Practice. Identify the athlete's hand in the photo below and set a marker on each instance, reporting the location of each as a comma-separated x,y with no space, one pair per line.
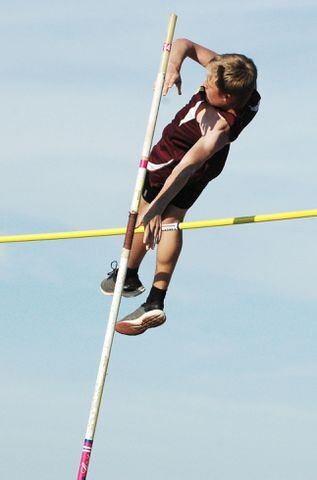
152,230
173,77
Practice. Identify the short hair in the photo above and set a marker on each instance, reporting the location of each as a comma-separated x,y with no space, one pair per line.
235,74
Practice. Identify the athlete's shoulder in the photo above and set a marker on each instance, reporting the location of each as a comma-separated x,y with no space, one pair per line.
211,118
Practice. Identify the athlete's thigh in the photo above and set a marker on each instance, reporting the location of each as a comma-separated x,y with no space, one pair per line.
173,214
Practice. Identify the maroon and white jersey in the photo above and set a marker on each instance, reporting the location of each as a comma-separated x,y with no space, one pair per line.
184,131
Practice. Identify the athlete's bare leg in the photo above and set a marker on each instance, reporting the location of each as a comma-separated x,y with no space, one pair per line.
138,249
151,314
169,248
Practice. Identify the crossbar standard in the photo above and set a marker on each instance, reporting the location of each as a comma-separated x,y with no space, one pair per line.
221,222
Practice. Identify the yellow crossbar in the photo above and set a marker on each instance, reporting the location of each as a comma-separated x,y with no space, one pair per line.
181,226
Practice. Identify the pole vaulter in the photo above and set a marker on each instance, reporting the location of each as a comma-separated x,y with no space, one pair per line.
114,310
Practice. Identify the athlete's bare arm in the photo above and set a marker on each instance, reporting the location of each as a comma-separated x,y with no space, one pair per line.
215,136
181,49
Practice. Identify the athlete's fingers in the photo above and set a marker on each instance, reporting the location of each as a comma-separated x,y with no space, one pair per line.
178,85
148,237
157,230
152,241
159,234
166,88
155,236
152,230
171,79
156,227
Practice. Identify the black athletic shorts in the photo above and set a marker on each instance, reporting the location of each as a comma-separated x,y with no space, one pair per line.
189,194
184,199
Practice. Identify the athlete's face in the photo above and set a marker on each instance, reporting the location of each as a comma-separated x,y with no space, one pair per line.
214,96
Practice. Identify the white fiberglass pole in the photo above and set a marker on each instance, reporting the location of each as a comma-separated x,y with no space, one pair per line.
123,264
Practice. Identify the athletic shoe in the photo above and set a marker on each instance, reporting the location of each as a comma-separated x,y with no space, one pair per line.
147,316
132,286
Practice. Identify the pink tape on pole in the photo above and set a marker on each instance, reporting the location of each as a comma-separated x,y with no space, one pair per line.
84,461
143,163
167,47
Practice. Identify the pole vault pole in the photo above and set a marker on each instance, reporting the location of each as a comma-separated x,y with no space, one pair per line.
123,264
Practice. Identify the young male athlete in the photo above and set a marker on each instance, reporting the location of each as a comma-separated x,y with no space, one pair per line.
192,152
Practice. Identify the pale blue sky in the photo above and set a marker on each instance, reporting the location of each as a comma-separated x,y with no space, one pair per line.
228,386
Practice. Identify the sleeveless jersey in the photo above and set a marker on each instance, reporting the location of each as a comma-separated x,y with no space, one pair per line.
184,131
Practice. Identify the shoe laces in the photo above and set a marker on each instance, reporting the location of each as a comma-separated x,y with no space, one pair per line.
114,266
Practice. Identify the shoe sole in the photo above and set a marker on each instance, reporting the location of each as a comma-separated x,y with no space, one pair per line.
135,293
151,319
